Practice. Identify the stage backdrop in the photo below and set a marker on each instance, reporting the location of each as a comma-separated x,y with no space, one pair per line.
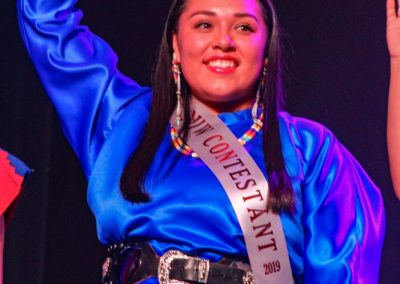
338,75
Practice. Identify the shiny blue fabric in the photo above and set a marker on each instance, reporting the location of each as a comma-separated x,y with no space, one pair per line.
336,234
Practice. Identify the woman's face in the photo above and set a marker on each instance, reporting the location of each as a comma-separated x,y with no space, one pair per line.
220,45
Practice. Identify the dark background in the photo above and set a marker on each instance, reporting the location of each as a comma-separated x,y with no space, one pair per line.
339,73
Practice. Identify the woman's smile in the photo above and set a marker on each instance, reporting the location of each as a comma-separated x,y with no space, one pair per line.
222,64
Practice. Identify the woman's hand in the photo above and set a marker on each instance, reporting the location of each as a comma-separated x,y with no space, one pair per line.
393,29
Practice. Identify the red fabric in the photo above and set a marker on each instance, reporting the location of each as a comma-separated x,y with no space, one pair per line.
10,183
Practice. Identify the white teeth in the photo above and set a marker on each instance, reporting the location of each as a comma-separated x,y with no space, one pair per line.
222,64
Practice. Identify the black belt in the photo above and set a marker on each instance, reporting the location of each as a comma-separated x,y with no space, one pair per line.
132,263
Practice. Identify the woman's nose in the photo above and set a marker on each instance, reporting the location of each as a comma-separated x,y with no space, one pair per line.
224,42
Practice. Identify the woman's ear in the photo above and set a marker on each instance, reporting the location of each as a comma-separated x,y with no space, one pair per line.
175,46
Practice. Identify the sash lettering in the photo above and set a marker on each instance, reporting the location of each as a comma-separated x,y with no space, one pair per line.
247,190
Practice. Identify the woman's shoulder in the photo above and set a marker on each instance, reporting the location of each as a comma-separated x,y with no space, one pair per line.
307,139
133,115
300,126
139,106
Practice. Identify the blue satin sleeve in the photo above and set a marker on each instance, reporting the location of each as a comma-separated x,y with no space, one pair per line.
342,209
79,72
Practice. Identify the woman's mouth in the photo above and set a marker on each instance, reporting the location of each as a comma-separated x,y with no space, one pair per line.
222,65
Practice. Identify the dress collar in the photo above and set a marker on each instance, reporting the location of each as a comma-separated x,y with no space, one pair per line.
231,118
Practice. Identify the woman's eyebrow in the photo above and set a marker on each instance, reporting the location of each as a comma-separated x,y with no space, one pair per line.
247,15
214,14
203,12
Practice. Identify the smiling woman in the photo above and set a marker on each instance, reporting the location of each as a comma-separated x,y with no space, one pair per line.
203,178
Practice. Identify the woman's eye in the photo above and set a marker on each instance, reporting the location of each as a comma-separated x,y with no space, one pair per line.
203,26
245,28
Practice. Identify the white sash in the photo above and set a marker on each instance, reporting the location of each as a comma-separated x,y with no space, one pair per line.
247,190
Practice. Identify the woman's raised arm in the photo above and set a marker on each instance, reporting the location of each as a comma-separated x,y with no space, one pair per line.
79,72
393,130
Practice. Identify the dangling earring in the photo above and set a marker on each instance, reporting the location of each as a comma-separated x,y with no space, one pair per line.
261,86
176,71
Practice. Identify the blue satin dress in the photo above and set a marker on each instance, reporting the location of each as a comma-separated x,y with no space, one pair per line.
336,234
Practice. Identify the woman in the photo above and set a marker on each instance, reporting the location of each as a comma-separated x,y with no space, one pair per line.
219,69
12,175
393,135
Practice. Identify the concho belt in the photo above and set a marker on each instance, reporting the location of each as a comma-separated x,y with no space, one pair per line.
134,263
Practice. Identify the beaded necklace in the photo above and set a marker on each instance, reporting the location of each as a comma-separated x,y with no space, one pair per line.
246,137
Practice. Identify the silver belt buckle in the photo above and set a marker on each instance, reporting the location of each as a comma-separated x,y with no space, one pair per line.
248,278
165,266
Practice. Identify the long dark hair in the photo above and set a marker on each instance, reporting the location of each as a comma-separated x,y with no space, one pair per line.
281,196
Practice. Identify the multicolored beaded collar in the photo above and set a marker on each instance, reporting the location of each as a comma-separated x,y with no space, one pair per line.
246,137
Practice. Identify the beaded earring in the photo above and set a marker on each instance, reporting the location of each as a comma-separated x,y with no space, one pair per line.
176,71
261,86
